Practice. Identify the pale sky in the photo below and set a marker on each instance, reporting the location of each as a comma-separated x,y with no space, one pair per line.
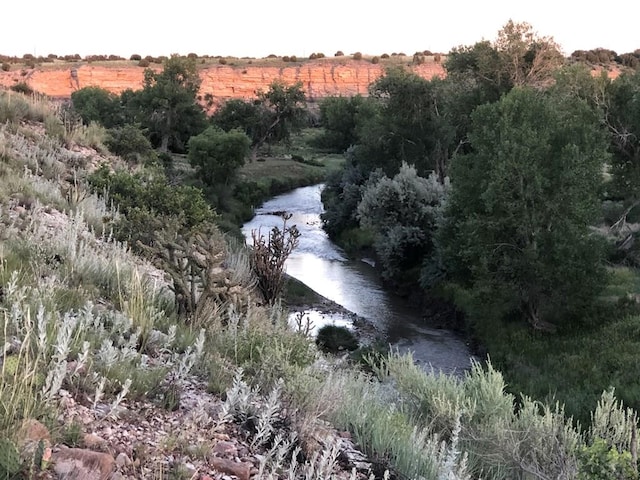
255,28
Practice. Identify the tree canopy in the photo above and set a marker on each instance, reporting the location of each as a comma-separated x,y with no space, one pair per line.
167,105
217,155
269,119
517,228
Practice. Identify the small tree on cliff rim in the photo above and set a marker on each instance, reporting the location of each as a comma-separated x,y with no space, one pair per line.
517,229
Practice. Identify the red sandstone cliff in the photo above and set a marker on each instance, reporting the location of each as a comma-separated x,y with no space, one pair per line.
319,78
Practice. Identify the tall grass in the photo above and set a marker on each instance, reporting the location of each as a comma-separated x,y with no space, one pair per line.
16,108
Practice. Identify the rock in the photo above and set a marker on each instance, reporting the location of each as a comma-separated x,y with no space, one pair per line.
320,78
122,460
239,469
81,464
226,449
29,437
156,341
94,442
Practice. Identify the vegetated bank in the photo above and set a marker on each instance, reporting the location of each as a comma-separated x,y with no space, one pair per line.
484,192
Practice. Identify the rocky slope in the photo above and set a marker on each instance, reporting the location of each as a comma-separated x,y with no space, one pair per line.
320,78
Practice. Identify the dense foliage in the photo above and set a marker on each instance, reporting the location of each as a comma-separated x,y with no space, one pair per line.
217,155
269,119
517,228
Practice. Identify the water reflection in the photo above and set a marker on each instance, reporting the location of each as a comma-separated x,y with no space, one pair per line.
322,266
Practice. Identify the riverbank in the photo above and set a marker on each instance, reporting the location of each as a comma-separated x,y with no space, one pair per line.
299,298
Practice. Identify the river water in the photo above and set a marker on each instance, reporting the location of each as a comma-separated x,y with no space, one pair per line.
322,266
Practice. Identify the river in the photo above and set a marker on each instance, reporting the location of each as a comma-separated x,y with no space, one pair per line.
322,266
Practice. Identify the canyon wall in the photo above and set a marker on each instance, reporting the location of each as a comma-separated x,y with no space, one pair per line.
320,78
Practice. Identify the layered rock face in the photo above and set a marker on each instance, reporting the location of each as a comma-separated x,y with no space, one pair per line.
319,78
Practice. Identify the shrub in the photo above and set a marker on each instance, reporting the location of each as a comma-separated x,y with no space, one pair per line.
313,56
293,58
222,61
336,339
6,67
22,87
384,56
600,460
437,57
217,155
286,58
144,63
268,257
135,57
339,53
357,56
129,143
192,55
375,60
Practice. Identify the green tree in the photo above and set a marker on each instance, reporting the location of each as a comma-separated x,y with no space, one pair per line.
269,119
95,104
167,106
527,58
411,126
130,143
517,228
282,112
148,203
403,213
217,155
518,57
339,116
237,113
622,110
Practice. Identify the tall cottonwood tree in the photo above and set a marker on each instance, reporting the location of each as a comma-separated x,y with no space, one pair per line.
526,57
167,106
517,229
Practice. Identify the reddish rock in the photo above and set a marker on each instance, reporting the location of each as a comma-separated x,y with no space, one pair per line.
29,437
80,464
94,442
320,78
227,449
241,470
